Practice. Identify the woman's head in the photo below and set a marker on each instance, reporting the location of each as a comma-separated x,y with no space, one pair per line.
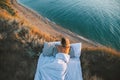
65,42
65,46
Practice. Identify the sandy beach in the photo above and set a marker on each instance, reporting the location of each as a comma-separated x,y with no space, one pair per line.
49,27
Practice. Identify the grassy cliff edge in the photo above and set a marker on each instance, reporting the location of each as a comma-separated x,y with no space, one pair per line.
21,42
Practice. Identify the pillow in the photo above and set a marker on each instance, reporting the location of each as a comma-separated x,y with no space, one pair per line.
50,49
75,50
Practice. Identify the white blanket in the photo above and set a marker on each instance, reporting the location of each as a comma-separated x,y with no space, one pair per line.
60,67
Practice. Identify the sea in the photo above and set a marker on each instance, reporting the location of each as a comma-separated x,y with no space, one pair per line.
96,20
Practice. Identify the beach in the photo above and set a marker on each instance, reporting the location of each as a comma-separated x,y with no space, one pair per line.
45,25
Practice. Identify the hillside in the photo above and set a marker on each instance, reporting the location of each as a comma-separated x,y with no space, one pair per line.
21,42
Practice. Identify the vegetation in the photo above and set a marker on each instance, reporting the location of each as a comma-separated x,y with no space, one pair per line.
19,47
4,4
21,43
100,64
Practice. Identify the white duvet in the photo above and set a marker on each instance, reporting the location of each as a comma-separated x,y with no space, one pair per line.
60,67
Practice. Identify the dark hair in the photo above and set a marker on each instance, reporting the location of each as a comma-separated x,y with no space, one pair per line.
63,42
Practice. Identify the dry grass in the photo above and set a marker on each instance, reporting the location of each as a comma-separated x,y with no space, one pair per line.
29,36
4,4
101,62
102,50
19,47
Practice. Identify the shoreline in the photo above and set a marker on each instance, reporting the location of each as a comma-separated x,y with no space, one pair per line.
49,26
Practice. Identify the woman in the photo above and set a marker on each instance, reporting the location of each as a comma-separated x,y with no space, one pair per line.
56,70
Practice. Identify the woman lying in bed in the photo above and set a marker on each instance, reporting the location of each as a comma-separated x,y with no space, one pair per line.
56,70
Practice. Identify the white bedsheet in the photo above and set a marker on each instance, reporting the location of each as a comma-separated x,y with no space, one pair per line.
72,69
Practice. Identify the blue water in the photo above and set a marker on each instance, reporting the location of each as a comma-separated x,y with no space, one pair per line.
97,20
